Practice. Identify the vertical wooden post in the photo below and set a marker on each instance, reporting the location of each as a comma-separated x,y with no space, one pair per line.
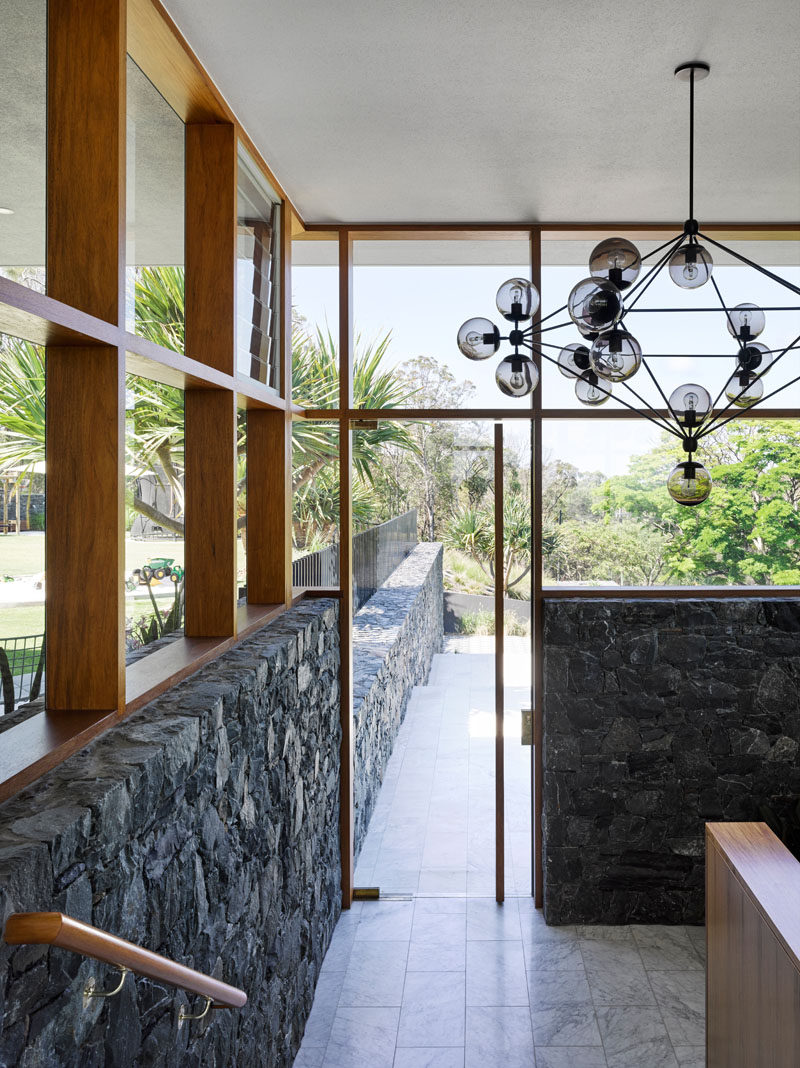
346,563
269,464
210,415
537,650
499,674
86,105
84,547
269,507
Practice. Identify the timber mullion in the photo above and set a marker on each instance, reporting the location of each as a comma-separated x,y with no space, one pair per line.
210,414
85,383
85,620
346,565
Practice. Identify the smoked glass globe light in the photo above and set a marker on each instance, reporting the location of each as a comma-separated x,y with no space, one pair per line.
573,360
689,483
744,389
690,403
616,355
755,358
589,391
690,266
517,376
745,321
587,333
617,260
478,339
517,299
595,304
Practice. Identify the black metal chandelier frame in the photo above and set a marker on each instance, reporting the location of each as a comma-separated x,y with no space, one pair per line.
688,425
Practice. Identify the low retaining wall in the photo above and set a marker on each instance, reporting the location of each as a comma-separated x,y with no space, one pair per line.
206,828
395,636
659,716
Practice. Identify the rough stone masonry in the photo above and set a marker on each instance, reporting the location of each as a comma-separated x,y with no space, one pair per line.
658,716
206,828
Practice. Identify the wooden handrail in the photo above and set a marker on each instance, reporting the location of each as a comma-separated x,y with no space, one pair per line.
56,929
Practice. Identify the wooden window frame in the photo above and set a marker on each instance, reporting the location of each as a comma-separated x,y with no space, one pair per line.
81,321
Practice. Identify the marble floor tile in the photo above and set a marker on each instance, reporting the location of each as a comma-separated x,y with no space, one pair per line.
620,986
691,1056
443,881
429,1057
603,932
635,1038
496,974
499,1037
568,1025
428,905
439,926
698,938
564,956
666,949
488,921
551,990
432,1013
681,998
437,957
362,1038
323,1012
385,921
375,975
570,1057
309,1057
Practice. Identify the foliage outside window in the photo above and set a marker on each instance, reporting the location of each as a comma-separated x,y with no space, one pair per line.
625,530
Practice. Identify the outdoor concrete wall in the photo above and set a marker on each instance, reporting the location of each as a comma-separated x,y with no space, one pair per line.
659,716
205,827
395,636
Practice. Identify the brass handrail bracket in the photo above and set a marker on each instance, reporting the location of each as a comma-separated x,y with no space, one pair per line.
90,991
184,1015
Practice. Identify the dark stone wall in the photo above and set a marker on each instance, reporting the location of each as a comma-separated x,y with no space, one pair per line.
395,636
658,717
204,827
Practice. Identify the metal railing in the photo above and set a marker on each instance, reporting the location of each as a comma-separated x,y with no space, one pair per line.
377,551
21,670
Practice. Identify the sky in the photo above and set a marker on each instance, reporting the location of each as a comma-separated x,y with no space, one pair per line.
424,306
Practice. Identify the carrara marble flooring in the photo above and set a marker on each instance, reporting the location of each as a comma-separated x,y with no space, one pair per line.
443,977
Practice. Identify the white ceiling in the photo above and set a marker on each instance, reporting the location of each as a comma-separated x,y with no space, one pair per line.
511,111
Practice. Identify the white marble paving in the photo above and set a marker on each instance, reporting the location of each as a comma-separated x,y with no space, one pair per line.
446,978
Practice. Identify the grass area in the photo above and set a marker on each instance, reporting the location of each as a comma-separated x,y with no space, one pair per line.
21,620
463,575
483,623
21,554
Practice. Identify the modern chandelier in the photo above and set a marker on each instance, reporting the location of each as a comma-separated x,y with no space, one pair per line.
609,355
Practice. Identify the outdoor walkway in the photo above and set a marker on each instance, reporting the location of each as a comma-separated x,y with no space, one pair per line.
443,977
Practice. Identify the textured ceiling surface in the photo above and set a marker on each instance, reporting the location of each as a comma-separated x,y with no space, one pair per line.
499,110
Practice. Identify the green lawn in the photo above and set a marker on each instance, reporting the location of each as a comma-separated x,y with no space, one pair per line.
21,554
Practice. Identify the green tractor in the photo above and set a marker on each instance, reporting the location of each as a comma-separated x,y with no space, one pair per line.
156,569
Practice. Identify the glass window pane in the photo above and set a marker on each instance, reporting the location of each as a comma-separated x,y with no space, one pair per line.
23,136
315,321
22,521
257,276
315,509
694,346
155,215
608,518
154,513
410,299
